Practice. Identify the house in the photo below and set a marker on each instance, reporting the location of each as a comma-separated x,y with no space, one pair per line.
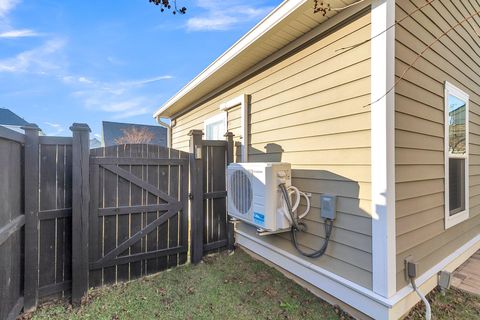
95,143
11,120
376,103
121,133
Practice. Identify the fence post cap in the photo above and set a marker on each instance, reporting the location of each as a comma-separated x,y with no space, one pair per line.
229,134
31,126
80,127
195,132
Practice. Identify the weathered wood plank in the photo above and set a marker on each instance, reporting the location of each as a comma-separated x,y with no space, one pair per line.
215,194
123,221
95,243
173,222
138,257
11,228
31,217
151,208
184,214
162,230
133,209
80,210
52,140
135,161
55,213
17,308
109,235
136,219
11,135
139,182
54,288
133,239
197,191
215,245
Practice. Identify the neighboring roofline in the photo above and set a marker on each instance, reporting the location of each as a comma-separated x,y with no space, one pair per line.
271,20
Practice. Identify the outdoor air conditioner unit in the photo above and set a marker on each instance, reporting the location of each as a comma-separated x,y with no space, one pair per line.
254,195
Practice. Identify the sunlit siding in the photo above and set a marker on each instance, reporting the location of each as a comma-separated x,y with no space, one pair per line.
311,109
420,224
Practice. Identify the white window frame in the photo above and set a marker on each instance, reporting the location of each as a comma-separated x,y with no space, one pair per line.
242,101
450,221
216,118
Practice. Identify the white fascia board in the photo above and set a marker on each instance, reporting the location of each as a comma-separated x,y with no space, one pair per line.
383,147
242,101
276,16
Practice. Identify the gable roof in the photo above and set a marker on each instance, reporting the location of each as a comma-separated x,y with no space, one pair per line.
7,117
286,23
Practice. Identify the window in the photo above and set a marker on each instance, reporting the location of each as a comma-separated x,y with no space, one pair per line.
216,127
456,155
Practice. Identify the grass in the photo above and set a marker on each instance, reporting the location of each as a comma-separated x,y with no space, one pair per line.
228,287
223,287
453,304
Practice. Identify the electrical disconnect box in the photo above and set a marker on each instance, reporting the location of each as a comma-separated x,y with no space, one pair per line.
328,206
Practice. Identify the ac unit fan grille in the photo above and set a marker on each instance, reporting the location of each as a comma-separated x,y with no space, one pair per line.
241,192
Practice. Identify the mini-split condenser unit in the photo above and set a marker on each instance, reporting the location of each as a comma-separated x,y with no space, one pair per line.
254,195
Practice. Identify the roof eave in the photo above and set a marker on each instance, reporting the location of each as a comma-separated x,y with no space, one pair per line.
272,19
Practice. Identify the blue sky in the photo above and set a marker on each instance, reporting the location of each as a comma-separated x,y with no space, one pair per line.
87,61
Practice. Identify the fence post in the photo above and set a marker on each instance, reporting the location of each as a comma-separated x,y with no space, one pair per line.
230,225
196,195
31,180
238,151
80,210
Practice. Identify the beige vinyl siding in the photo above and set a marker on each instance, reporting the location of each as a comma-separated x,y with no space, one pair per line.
420,224
311,109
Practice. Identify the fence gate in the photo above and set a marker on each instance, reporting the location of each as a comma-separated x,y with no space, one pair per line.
138,221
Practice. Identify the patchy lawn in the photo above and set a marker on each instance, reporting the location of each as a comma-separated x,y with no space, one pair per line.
454,304
229,287
224,287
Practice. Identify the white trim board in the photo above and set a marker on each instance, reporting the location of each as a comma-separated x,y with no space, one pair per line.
363,299
451,220
241,101
383,147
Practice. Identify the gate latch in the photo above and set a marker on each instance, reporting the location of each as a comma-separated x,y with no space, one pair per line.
190,196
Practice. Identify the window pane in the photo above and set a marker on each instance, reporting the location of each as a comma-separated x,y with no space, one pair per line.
215,131
456,122
457,185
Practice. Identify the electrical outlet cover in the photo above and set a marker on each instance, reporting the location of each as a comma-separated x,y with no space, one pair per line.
328,205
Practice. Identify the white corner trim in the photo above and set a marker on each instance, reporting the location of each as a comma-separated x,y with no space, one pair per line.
450,221
271,20
362,299
383,147
241,101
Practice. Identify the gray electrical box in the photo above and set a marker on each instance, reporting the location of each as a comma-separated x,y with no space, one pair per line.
328,205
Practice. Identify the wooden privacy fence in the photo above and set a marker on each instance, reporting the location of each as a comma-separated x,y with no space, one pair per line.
131,207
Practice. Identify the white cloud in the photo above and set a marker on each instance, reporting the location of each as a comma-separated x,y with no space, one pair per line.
19,33
6,29
6,6
121,99
40,60
57,128
224,15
